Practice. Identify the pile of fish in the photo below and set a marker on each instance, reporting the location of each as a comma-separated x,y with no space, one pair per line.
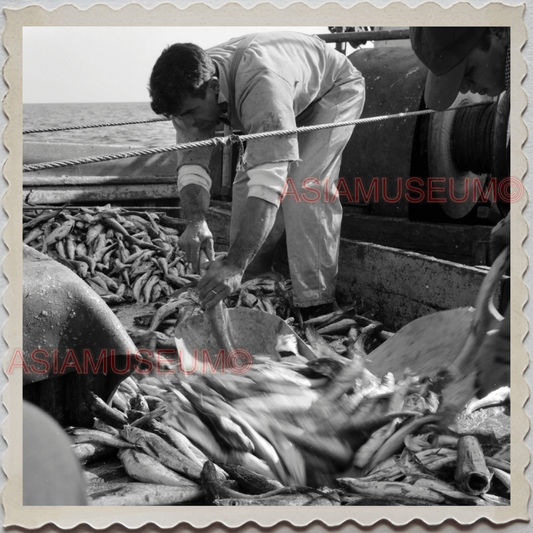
125,256
134,257
284,433
290,431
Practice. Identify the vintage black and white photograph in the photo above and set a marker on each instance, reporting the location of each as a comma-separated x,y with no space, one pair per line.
270,265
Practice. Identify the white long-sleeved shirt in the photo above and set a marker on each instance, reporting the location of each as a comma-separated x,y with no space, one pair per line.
279,76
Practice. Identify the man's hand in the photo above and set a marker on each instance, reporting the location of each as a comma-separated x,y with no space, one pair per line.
221,280
196,237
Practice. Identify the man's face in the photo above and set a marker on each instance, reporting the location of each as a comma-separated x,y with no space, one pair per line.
485,69
200,113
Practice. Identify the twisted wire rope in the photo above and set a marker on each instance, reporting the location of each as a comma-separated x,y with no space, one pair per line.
230,139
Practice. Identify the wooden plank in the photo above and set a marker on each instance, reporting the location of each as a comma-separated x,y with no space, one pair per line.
398,286
55,195
455,242
29,180
163,164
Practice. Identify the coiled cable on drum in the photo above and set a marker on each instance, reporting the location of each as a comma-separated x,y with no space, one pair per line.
471,139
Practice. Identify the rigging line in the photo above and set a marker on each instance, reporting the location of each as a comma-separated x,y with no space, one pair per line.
101,125
224,141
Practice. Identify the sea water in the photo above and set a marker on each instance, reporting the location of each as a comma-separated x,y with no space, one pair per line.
74,114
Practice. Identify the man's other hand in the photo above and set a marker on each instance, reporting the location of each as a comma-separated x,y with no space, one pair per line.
196,237
220,280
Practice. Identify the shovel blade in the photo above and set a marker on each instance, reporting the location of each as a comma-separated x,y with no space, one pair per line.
254,331
425,346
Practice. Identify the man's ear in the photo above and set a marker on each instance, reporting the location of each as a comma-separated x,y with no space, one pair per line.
214,84
503,34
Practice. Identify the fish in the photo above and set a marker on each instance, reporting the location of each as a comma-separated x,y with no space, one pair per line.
319,346
251,482
59,233
214,487
142,467
112,299
98,285
341,326
285,497
494,398
395,441
449,491
262,447
390,489
344,380
93,232
35,233
163,265
81,435
277,403
249,460
88,451
178,440
60,249
358,500
162,451
431,460
103,254
138,402
495,500
336,450
326,366
226,430
502,464
153,402
90,261
118,228
164,311
110,283
81,249
40,219
102,426
138,286
106,413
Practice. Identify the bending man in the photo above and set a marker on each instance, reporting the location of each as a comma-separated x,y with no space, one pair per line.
259,83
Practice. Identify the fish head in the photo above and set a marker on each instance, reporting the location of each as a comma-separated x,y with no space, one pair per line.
131,434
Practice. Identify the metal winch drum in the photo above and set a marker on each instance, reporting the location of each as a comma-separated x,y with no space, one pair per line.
460,146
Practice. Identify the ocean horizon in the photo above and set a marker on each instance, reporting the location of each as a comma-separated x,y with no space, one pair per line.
38,115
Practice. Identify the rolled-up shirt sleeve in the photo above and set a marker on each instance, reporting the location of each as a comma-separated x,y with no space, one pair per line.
193,175
267,181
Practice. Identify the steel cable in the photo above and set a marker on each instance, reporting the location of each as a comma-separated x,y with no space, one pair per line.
101,125
225,141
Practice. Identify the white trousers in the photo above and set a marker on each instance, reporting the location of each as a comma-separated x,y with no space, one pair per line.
310,213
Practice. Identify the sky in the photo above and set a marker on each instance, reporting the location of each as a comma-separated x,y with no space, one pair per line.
107,64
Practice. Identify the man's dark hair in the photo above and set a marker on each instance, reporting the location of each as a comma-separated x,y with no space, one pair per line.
182,70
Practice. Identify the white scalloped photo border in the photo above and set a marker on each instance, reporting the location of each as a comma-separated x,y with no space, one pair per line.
299,14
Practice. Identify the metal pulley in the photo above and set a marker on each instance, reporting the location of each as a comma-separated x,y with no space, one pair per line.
466,148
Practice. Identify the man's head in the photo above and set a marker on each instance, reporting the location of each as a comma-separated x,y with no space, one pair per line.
461,59
184,73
